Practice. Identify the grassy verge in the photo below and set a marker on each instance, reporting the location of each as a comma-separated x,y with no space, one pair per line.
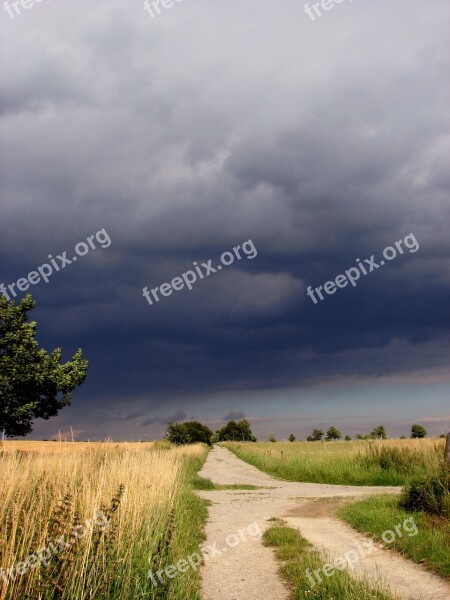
201,483
297,555
430,546
190,516
384,462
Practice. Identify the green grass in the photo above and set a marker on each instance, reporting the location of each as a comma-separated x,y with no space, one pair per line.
430,495
297,555
390,462
201,483
190,514
430,546
239,486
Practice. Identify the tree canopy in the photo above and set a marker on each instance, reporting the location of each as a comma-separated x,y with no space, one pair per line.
235,432
33,383
190,432
379,433
418,431
333,434
316,436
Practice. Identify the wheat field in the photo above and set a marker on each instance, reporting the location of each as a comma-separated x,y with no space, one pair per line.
133,497
68,446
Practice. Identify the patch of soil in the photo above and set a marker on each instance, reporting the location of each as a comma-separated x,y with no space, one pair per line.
317,508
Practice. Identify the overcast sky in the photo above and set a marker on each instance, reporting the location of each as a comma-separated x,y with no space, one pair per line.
214,123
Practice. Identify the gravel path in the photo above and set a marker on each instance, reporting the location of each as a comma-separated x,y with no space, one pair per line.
239,567
405,578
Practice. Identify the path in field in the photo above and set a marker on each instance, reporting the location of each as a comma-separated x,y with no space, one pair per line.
248,571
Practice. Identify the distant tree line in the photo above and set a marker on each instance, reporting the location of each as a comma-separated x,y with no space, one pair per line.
378,433
191,432
332,433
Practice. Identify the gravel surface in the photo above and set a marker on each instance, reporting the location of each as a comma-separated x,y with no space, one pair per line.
239,567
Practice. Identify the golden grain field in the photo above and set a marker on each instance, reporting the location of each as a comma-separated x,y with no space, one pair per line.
128,493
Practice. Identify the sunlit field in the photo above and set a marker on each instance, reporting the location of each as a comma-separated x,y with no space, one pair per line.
68,446
380,462
141,512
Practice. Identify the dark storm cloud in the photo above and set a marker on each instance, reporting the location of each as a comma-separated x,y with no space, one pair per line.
128,417
318,141
177,416
234,416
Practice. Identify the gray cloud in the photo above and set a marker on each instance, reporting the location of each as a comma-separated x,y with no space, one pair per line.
128,417
234,416
318,141
179,415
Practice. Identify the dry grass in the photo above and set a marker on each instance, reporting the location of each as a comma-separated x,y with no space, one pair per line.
46,492
66,446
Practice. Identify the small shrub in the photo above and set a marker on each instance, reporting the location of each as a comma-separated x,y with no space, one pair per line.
431,495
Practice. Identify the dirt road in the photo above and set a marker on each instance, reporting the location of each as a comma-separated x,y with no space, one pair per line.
239,567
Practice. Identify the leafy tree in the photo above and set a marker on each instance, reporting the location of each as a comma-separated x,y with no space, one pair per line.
333,434
348,438
292,438
235,432
417,431
360,436
176,434
33,383
190,432
379,433
316,436
244,428
196,432
272,438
